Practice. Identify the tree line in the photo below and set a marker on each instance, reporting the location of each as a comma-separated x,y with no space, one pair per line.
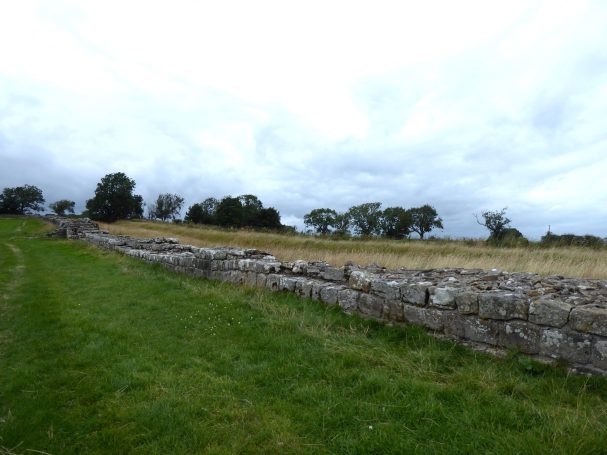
369,219
114,199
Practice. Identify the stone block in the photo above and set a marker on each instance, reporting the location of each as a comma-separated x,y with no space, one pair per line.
273,282
467,302
482,331
317,287
288,283
416,294
599,354
425,317
303,288
454,324
333,274
386,289
261,279
566,344
520,334
371,305
589,319
443,298
497,305
393,311
328,294
360,281
347,299
549,312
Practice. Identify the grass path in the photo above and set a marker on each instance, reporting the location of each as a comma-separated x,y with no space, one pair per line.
103,354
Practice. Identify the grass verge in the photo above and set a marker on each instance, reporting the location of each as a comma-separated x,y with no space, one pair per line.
100,353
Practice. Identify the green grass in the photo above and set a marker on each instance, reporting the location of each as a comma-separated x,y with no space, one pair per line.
100,353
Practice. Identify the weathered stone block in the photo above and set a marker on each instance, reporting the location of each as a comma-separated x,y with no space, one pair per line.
482,331
426,317
496,305
303,288
393,311
288,283
453,324
521,335
250,278
549,312
416,294
360,281
316,288
443,298
467,302
386,289
328,294
599,354
589,319
273,282
333,274
347,299
371,305
566,344
260,280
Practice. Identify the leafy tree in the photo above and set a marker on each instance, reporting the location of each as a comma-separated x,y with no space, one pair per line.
62,206
322,220
203,212
21,200
342,223
495,221
114,199
395,222
229,212
251,206
268,218
365,218
424,219
167,206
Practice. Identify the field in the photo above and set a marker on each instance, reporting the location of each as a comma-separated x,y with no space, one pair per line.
413,254
100,353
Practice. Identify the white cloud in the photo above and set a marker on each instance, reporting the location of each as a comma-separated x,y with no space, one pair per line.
464,105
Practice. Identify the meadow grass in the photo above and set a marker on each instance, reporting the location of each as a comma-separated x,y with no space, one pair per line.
412,254
100,353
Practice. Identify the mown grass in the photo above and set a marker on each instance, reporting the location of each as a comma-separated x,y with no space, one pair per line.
100,353
412,254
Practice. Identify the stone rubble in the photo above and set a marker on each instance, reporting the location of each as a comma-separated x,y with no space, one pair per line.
551,317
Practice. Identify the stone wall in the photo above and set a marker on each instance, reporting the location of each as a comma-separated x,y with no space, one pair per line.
548,317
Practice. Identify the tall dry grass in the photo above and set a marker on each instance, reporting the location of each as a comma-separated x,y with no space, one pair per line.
410,254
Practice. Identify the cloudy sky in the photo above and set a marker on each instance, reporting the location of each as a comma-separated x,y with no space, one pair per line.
467,106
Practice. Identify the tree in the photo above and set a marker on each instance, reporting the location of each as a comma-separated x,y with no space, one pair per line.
342,223
365,218
203,212
395,222
229,212
268,218
167,206
114,199
21,200
251,206
322,220
495,221
424,219
62,206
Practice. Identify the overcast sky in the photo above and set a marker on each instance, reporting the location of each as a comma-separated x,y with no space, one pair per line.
466,106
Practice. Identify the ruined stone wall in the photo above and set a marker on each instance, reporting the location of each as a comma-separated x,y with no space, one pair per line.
549,317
